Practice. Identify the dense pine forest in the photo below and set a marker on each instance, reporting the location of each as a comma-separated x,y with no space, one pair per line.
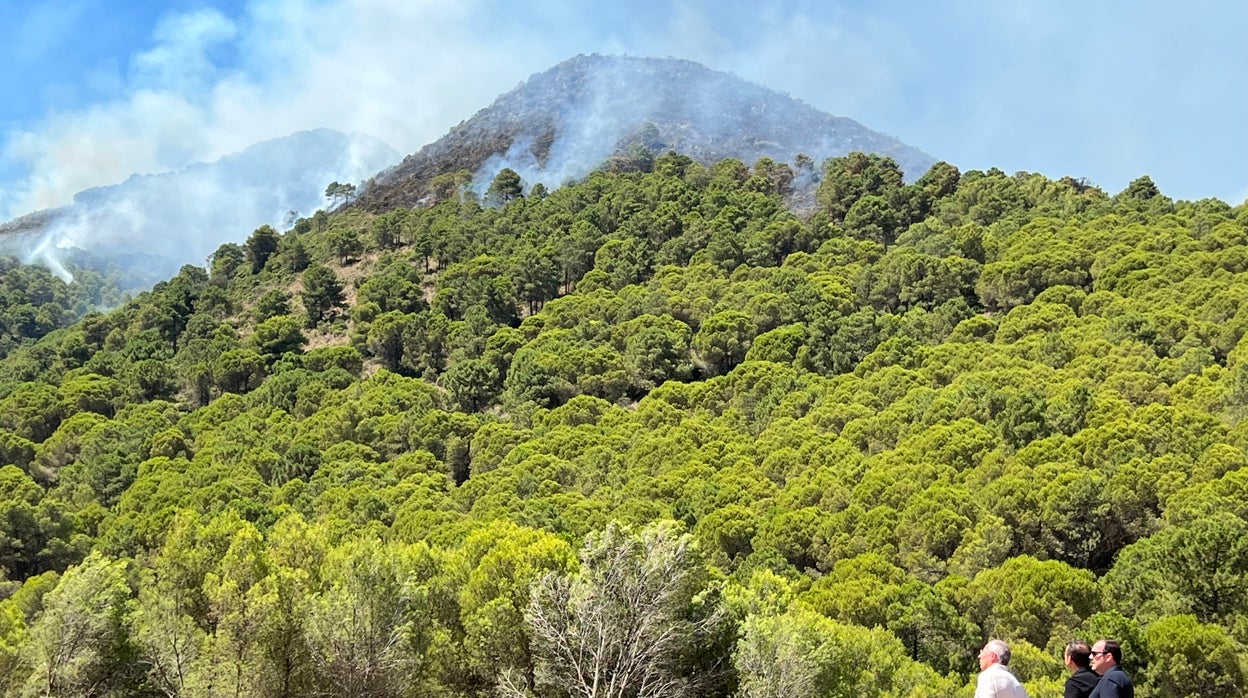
667,431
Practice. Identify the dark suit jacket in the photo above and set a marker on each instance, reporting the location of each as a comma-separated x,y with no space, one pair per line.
1081,683
1114,684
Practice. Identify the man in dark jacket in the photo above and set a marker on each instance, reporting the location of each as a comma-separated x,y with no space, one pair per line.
1082,679
1114,683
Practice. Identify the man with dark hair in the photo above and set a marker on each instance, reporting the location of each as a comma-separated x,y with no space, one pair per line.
1082,679
995,681
1106,660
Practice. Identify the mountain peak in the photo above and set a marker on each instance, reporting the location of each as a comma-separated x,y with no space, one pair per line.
564,122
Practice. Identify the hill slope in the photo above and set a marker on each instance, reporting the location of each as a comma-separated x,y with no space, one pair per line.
568,120
974,405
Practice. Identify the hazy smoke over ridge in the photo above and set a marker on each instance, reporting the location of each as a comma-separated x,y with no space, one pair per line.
606,104
585,134
182,217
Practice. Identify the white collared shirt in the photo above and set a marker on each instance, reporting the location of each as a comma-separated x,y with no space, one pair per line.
997,682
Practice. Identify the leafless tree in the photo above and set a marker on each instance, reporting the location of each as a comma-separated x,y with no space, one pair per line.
625,625
357,630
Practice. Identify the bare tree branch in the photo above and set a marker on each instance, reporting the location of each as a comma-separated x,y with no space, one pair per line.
622,627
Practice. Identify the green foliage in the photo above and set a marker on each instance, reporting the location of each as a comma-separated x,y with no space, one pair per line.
723,340
849,179
976,405
35,302
505,188
398,288
472,383
274,302
293,254
387,229
504,562
345,245
1199,568
225,263
804,653
322,293
14,638
362,628
36,531
1032,600
238,370
340,192
656,349
78,642
261,245
1193,659
278,335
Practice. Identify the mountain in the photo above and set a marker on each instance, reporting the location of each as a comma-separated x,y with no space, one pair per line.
176,218
564,122
556,126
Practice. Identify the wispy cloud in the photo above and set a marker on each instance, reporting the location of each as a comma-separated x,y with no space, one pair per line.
181,59
209,85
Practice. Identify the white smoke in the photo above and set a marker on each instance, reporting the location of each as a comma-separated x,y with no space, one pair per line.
585,137
610,104
46,252
1240,199
181,218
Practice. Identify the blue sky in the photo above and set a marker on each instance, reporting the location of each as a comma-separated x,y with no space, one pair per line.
1112,90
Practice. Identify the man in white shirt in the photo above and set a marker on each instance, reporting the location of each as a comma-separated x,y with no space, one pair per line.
995,681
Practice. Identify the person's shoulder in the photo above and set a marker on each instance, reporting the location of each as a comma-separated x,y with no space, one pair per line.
1015,687
1084,677
992,672
1009,678
1083,682
997,675
1001,670
1118,677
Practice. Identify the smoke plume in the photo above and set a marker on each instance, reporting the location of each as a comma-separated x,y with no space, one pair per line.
182,217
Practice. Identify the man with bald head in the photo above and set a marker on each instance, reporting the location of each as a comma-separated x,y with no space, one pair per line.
1114,683
995,680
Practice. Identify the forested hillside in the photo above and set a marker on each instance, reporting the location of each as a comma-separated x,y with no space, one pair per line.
647,434
34,301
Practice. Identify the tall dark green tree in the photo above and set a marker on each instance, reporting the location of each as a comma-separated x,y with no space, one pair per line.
261,245
322,293
506,187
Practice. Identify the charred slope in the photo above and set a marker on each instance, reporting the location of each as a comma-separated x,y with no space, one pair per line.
568,120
